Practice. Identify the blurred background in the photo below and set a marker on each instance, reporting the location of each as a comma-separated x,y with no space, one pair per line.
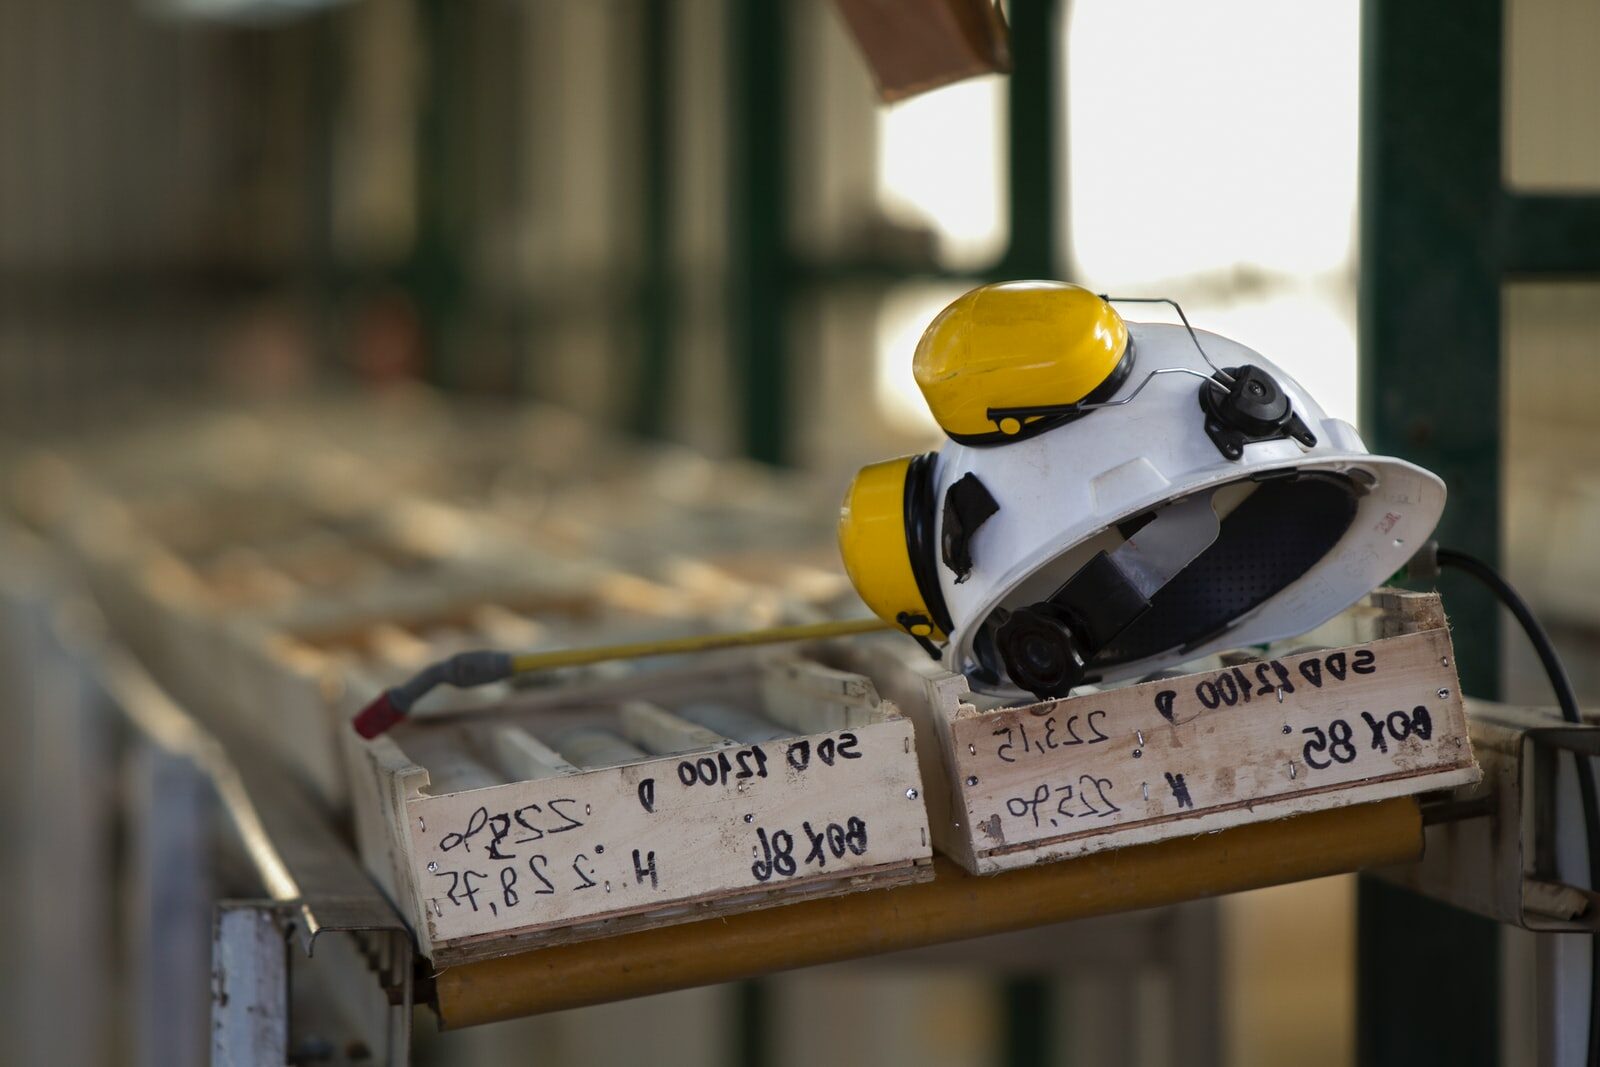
691,226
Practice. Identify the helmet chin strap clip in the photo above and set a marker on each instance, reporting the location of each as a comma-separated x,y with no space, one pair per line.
1047,647
919,627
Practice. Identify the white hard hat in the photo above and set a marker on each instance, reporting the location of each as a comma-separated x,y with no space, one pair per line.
1207,503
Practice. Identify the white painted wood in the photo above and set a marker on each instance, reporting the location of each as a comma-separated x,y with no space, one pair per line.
809,697
54,784
249,988
452,770
1155,760
524,757
169,908
591,747
932,698
636,839
1235,760
661,733
742,726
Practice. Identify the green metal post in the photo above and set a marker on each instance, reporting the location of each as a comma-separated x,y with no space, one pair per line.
434,275
1033,131
1032,128
653,394
1427,988
758,254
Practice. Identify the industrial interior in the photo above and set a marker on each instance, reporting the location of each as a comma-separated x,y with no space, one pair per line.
433,634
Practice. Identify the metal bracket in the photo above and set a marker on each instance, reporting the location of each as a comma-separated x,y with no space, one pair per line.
1493,848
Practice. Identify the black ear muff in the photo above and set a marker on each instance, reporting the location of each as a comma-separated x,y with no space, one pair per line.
920,498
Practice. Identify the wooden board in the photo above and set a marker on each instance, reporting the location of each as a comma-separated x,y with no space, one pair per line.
616,840
1205,751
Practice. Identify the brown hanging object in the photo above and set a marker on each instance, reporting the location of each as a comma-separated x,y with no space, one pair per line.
912,46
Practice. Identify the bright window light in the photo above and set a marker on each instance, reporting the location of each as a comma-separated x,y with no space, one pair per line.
1308,332
902,316
1211,137
941,165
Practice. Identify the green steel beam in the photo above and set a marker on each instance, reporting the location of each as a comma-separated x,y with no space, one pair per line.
1430,275
1028,1037
323,104
1033,130
758,253
656,318
1550,235
1429,298
434,275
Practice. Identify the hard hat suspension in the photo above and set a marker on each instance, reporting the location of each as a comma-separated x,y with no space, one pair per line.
1047,647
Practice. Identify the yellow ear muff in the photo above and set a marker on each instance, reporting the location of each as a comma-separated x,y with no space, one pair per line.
1018,345
885,540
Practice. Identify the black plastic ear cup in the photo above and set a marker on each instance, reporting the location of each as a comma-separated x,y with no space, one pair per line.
1042,651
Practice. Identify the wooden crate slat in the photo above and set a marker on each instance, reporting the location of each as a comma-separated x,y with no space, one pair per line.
1209,748
1024,784
620,840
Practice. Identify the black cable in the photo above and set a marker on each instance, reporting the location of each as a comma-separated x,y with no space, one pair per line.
1448,557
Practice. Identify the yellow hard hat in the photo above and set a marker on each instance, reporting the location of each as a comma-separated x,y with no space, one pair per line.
1003,349
886,540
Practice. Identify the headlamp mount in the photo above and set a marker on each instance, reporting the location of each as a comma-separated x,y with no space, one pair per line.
1250,406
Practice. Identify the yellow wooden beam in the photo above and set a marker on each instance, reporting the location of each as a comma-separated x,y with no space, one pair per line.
953,906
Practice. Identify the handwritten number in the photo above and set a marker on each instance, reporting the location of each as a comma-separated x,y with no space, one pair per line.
533,865
499,827
1100,787
468,889
1005,746
475,823
455,881
1020,806
1318,743
534,830
1340,747
1284,680
1421,722
1243,683
572,824
1265,684
1064,792
508,886
1227,689
761,869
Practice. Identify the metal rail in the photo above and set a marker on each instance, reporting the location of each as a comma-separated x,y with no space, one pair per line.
952,907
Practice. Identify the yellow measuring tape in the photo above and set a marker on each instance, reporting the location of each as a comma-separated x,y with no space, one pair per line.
524,662
480,668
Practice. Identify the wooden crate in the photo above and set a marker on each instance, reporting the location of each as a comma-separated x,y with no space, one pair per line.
1379,715
297,677
493,836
